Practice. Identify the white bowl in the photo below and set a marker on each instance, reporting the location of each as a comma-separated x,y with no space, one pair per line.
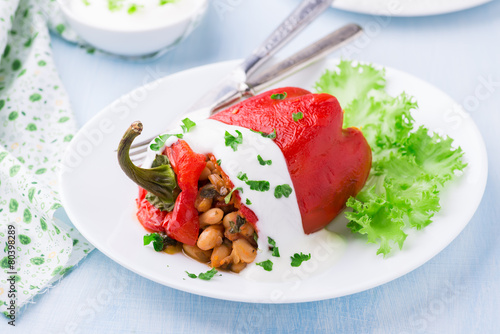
135,41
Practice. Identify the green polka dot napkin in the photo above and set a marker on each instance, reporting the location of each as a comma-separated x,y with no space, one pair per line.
36,124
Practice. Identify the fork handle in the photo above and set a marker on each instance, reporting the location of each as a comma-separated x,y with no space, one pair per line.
300,18
292,64
303,58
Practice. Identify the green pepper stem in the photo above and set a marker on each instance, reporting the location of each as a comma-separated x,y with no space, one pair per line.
159,180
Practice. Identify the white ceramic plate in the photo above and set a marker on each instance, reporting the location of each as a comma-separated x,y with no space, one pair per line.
99,198
406,7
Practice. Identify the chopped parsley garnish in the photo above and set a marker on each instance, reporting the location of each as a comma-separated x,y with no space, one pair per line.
282,190
254,185
191,275
204,276
227,199
279,96
219,162
133,8
161,140
276,252
187,125
248,202
159,241
264,162
297,115
114,5
267,265
233,141
271,242
255,236
272,247
164,2
271,135
259,185
208,275
297,259
156,239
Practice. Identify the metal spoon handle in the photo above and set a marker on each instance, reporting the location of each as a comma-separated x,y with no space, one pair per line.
231,85
304,58
300,18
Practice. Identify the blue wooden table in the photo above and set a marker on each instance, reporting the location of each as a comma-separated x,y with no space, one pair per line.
456,292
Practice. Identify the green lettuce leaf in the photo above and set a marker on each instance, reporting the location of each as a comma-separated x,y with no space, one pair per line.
410,166
349,81
384,123
434,154
379,220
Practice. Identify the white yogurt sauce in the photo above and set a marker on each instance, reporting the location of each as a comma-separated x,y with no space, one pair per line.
148,13
278,218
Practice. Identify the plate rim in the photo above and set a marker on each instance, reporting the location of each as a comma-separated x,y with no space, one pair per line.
351,9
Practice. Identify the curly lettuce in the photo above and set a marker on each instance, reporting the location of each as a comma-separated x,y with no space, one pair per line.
410,166
350,82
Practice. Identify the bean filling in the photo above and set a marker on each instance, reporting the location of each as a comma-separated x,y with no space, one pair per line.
226,239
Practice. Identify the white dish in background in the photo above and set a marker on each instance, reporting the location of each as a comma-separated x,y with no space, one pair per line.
99,198
150,29
406,7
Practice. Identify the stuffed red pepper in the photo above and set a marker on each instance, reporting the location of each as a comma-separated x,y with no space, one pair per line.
252,181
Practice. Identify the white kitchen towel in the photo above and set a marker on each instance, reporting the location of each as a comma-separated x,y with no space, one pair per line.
36,125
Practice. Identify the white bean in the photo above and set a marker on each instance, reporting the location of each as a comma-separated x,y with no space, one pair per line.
210,237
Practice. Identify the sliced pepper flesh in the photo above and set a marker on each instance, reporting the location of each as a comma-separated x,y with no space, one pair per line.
182,223
149,216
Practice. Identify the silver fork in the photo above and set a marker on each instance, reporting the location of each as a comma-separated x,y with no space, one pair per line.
244,82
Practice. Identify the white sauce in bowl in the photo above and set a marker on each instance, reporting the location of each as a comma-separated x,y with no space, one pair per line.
279,218
144,14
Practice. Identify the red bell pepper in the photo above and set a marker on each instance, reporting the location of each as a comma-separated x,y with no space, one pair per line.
182,223
149,216
327,164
